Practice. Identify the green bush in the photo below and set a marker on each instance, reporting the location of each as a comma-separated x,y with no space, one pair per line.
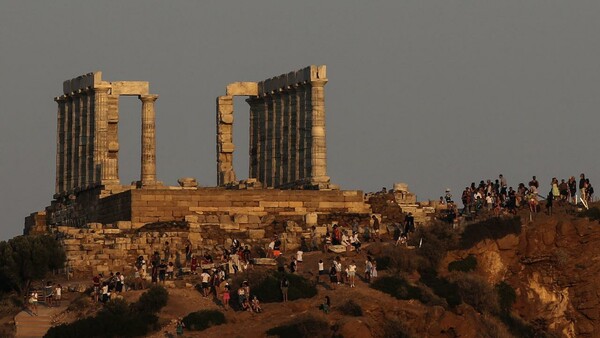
437,239
506,296
475,291
202,320
441,287
397,287
464,265
267,289
351,308
152,300
117,318
492,228
306,327
398,259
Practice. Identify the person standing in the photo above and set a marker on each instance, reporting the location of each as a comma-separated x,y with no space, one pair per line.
321,270
284,285
375,227
352,273
58,294
582,191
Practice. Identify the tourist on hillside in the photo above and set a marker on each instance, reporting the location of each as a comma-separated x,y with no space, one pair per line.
549,200
205,278
188,251
284,285
226,296
179,326
327,242
299,259
162,271
119,282
589,190
277,247
321,271
355,242
167,251
368,269
582,191
333,276
375,228
572,189
373,269
563,189
57,294
352,273
96,285
170,270
255,304
314,239
338,269
326,305
48,294
33,301
555,191
270,249
293,265
242,296
193,264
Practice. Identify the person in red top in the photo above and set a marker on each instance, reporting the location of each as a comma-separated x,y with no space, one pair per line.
194,264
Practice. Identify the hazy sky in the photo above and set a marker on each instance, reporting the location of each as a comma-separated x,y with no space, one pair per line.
432,93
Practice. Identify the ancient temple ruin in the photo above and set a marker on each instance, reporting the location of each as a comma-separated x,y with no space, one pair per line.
287,130
87,133
105,225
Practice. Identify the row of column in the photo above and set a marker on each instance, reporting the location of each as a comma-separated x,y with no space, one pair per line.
287,135
87,153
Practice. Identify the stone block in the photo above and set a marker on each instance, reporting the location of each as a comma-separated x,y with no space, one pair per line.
240,218
311,218
253,219
123,225
256,233
242,89
229,226
224,219
227,147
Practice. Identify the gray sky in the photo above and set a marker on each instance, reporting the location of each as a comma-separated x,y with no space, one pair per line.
432,93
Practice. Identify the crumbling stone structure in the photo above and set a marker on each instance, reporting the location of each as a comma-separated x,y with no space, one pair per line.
287,130
87,139
105,225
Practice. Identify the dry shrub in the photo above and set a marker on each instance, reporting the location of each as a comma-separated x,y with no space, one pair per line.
476,292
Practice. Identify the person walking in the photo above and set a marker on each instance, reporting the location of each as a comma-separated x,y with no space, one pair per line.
352,273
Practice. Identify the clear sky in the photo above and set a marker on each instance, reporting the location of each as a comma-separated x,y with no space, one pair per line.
436,94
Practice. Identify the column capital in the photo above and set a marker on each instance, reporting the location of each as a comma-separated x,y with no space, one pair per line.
148,97
102,88
318,83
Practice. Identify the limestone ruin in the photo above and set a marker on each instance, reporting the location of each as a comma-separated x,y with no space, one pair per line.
287,130
87,153
105,225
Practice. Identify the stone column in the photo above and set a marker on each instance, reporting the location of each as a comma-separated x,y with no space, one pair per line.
76,174
262,139
83,182
148,172
276,140
285,137
112,138
254,134
302,131
89,132
294,133
270,149
100,136
61,119
225,146
68,143
318,147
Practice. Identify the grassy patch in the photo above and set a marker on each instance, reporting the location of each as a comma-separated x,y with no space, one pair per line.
202,320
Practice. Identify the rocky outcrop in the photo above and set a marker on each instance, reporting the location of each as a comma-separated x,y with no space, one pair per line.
553,265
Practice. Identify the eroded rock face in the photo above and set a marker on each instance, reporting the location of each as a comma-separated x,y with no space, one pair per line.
554,267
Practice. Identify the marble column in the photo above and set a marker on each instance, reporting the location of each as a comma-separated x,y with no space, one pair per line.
302,131
262,139
76,174
68,143
60,145
148,167
318,156
100,136
294,134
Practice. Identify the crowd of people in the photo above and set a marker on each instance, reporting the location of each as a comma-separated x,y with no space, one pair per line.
51,295
498,197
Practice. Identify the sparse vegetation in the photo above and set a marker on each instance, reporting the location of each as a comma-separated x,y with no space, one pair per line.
27,258
202,320
491,228
506,296
393,328
397,287
465,265
117,318
475,291
305,327
351,308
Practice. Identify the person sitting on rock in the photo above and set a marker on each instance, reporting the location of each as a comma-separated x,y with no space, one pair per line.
256,305
326,305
